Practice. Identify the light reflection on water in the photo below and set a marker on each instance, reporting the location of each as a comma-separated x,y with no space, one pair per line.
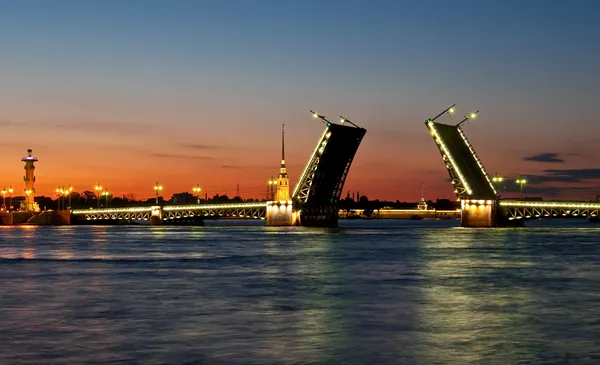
384,292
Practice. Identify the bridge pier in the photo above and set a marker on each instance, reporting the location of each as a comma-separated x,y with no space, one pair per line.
156,216
485,213
6,218
280,213
478,213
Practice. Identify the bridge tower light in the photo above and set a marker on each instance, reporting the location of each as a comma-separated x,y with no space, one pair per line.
322,117
470,116
346,120
449,109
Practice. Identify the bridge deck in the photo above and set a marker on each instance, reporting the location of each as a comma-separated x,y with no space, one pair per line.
320,186
174,212
172,208
519,209
467,172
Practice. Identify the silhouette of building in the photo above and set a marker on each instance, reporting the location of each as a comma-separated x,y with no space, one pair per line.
183,199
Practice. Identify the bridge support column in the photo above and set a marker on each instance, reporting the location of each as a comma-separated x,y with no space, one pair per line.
61,217
478,213
280,213
485,213
156,216
6,219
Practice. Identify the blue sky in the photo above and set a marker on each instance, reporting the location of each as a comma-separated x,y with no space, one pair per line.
151,78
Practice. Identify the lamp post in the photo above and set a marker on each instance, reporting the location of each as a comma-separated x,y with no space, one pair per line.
521,182
157,188
98,189
497,179
10,192
65,195
27,193
196,189
272,184
70,192
59,193
268,189
106,194
4,198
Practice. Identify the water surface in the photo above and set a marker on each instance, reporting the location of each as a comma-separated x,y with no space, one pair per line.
371,292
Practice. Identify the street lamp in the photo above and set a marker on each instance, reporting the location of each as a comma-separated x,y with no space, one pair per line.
497,179
196,189
27,193
107,195
521,182
98,189
70,191
272,184
4,198
66,194
10,191
59,193
157,188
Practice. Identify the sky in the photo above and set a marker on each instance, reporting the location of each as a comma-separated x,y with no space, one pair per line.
183,92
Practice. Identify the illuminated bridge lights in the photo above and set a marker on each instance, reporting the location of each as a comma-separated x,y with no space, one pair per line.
214,206
485,174
447,154
466,203
242,210
312,163
112,210
280,202
516,209
541,204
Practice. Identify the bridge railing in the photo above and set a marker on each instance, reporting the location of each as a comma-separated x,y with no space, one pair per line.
111,210
517,209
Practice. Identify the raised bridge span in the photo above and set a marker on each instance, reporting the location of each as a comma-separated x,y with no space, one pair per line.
481,204
314,201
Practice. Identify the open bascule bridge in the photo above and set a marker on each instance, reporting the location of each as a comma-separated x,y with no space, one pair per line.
481,204
314,201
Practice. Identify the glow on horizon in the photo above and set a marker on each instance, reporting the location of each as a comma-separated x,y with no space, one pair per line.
128,93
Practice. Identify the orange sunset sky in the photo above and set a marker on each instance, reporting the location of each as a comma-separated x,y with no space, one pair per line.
126,94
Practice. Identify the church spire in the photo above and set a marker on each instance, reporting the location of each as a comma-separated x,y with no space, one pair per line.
282,170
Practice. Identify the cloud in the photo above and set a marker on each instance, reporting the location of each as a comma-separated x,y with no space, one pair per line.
180,156
550,157
201,147
554,176
568,176
551,191
86,126
237,167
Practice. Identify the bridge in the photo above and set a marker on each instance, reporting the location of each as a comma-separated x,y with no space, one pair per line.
314,201
481,204
176,212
